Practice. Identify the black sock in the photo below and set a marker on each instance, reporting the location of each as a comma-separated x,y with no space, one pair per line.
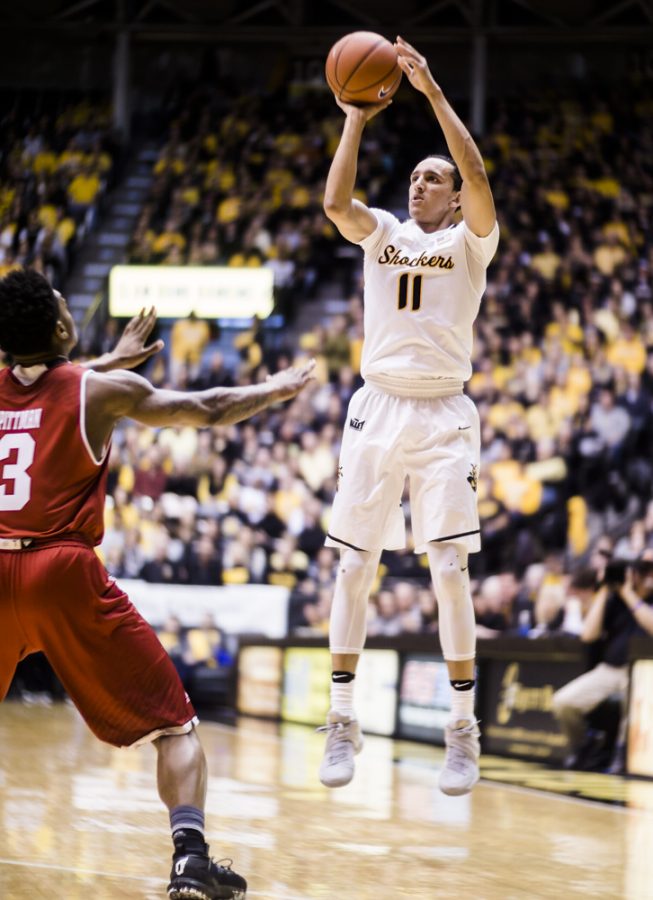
460,684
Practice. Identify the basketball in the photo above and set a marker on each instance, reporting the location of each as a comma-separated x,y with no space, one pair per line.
362,68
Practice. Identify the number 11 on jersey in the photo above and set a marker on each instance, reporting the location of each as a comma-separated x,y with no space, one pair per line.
416,292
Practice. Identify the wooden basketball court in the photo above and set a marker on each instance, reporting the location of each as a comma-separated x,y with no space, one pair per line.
80,820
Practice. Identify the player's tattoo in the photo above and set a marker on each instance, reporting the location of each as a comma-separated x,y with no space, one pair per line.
219,406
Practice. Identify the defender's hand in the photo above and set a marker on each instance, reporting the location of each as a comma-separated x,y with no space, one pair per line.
289,382
131,351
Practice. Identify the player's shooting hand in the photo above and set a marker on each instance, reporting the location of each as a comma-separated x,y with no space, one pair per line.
131,349
414,66
289,382
362,113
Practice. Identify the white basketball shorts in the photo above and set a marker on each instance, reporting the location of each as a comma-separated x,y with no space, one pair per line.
435,443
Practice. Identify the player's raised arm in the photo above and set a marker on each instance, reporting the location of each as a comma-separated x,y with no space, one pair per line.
352,218
476,200
127,395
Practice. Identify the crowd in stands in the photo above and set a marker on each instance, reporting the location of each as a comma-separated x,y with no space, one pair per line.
563,361
241,184
563,364
54,170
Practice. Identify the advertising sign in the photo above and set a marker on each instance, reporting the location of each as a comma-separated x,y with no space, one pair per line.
307,680
517,719
211,292
640,719
259,681
424,698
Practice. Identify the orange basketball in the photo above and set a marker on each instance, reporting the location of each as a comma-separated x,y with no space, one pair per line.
362,68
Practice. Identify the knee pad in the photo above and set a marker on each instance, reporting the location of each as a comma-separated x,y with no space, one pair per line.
348,624
457,629
356,571
448,565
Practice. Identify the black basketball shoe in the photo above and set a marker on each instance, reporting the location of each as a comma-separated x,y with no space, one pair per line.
196,877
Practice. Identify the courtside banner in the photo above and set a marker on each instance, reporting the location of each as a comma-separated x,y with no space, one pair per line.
424,698
211,292
260,675
517,713
307,679
640,719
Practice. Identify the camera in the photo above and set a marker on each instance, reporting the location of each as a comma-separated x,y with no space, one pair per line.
615,572
643,567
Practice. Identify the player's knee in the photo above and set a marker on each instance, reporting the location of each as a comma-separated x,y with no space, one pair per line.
449,572
357,570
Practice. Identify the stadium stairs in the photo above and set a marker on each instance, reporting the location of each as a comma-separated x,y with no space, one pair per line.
106,246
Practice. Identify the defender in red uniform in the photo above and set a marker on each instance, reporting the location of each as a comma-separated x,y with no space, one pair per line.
56,421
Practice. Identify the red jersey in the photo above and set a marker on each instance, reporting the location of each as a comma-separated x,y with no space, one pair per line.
51,485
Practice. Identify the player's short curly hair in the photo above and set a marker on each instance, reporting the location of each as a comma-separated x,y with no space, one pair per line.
29,310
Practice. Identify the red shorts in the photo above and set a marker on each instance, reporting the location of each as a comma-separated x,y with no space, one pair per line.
60,599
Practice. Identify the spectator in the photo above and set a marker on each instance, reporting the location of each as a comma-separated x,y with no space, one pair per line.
204,563
622,607
188,339
406,598
549,610
490,608
386,619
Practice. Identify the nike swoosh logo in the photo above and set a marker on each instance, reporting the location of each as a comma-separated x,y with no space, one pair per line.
339,677
384,92
463,427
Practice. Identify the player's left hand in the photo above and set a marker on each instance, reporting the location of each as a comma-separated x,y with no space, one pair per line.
414,66
131,349
362,113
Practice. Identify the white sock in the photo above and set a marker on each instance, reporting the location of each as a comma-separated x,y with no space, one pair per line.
462,705
342,698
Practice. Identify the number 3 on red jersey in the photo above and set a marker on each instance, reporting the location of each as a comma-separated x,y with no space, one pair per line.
16,496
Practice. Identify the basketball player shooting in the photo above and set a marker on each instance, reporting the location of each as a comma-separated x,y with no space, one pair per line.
56,421
424,279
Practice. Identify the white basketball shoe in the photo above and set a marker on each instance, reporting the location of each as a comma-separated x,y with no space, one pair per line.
344,741
460,772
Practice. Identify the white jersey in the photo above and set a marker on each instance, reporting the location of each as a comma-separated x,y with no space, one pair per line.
422,295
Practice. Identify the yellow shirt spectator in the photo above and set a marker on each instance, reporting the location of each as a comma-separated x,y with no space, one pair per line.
628,352
172,164
44,162
579,380
229,210
70,159
501,413
84,188
546,263
559,199
606,187
66,229
48,216
514,488
168,239
610,255
188,338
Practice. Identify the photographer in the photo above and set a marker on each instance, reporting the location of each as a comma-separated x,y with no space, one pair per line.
620,610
